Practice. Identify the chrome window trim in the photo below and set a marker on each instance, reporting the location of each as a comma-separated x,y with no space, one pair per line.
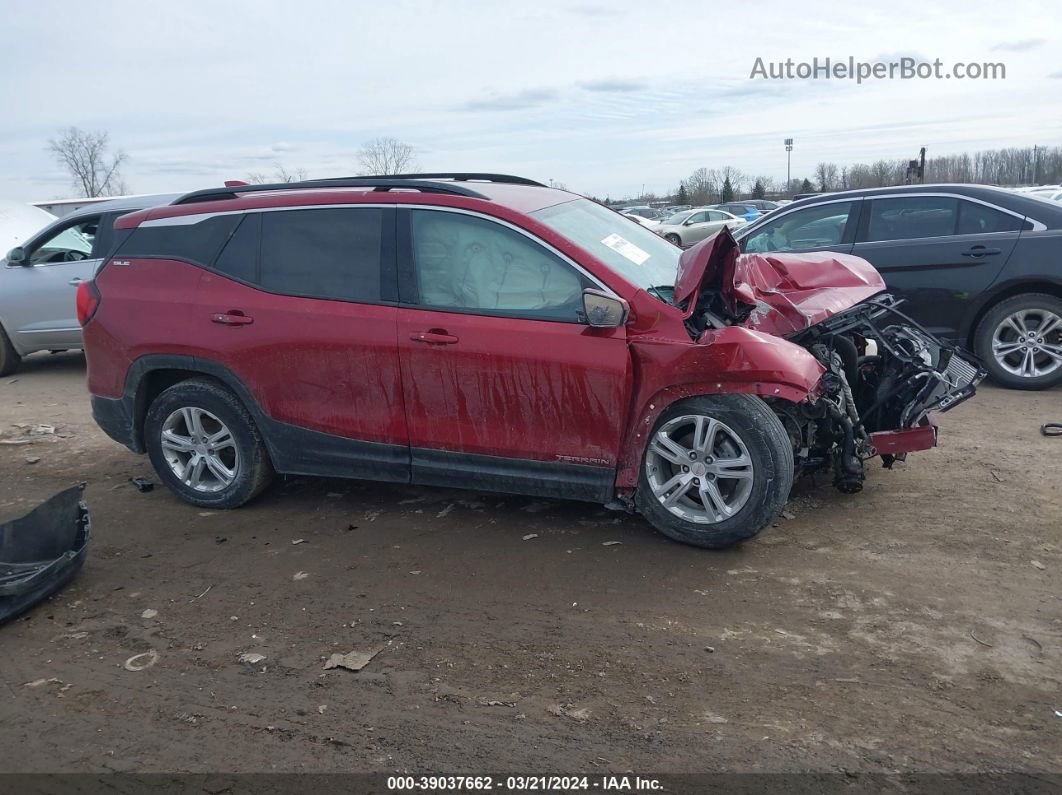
188,220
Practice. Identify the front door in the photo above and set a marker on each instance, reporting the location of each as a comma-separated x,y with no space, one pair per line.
504,387
40,312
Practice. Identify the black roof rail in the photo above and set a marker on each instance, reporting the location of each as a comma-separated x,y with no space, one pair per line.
462,176
381,184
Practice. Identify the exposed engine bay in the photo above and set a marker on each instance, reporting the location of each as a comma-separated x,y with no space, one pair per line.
884,373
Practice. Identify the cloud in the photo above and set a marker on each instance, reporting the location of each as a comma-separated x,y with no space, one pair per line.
528,98
611,85
1055,75
1019,46
595,10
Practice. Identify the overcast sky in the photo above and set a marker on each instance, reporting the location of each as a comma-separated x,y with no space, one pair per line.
602,96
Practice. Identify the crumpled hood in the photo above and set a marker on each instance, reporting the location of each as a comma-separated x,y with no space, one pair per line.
779,294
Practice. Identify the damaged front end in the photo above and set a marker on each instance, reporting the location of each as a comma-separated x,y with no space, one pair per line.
883,374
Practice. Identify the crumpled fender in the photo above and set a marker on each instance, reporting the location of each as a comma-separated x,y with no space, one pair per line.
732,360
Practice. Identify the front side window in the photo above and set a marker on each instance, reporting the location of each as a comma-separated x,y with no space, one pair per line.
912,217
697,218
468,263
802,230
71,244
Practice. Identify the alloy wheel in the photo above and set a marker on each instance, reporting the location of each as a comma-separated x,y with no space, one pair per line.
200,449
1028,343
699,469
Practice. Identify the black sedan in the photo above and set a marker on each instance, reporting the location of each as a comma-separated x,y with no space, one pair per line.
976,265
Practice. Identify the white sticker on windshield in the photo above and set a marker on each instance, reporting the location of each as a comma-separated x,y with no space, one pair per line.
626,248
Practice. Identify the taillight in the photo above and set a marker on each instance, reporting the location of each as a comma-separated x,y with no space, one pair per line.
88,301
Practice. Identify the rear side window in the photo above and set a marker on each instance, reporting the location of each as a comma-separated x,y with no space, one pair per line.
197,242
322,253
978,219
912,217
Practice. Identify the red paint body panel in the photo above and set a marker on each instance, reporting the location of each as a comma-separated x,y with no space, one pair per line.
514,388
730,360
329,366
791,292
921,437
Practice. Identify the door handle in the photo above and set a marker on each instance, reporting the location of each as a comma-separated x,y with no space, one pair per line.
75,281
980,251
433,337
234,317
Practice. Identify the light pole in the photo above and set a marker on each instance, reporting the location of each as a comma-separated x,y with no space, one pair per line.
788,159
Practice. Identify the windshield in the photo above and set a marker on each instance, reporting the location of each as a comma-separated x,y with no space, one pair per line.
632,251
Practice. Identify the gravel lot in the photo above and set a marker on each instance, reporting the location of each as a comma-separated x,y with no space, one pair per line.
914,627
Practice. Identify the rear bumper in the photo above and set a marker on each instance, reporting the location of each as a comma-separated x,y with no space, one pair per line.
115,417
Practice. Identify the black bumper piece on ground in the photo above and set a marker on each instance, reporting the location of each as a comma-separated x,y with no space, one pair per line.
41,552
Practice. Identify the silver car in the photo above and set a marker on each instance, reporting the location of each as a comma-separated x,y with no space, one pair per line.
692,226
38,279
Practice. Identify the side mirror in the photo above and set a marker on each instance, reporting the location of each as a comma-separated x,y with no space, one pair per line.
602,310
17,256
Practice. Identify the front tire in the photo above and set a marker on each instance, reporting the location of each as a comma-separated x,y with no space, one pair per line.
205,445
673,239
1019,340
9,358
716,470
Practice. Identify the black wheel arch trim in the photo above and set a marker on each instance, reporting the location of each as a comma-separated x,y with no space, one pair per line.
1001,291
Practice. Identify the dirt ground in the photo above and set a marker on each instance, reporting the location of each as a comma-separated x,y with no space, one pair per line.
914,627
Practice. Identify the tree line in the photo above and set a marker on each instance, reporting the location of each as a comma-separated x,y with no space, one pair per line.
1011,167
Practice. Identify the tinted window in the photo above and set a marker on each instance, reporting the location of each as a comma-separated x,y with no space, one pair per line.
326,253
801,230
465,262
912,217
239,258
977,219
194,242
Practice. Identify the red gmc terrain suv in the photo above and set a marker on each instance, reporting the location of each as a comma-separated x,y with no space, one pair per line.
487,332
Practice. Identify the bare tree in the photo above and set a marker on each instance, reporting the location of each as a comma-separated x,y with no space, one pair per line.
386,156
826,173
700,185
93,171
280,174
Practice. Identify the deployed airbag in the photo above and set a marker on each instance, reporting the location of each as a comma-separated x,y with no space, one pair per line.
42,551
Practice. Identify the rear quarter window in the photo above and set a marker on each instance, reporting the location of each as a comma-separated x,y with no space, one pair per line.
197,242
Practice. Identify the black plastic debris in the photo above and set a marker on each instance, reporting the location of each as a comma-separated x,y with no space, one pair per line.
41,552
143,486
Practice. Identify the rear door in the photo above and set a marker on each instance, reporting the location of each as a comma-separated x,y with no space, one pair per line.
697,227
938,252
38,304
308,326
504,387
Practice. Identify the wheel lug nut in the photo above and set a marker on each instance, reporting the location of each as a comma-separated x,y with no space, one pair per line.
685,469
693,455
696,481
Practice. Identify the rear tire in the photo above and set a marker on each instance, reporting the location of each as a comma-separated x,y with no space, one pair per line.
1011,348
205,445
673,239
9,358
747,465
